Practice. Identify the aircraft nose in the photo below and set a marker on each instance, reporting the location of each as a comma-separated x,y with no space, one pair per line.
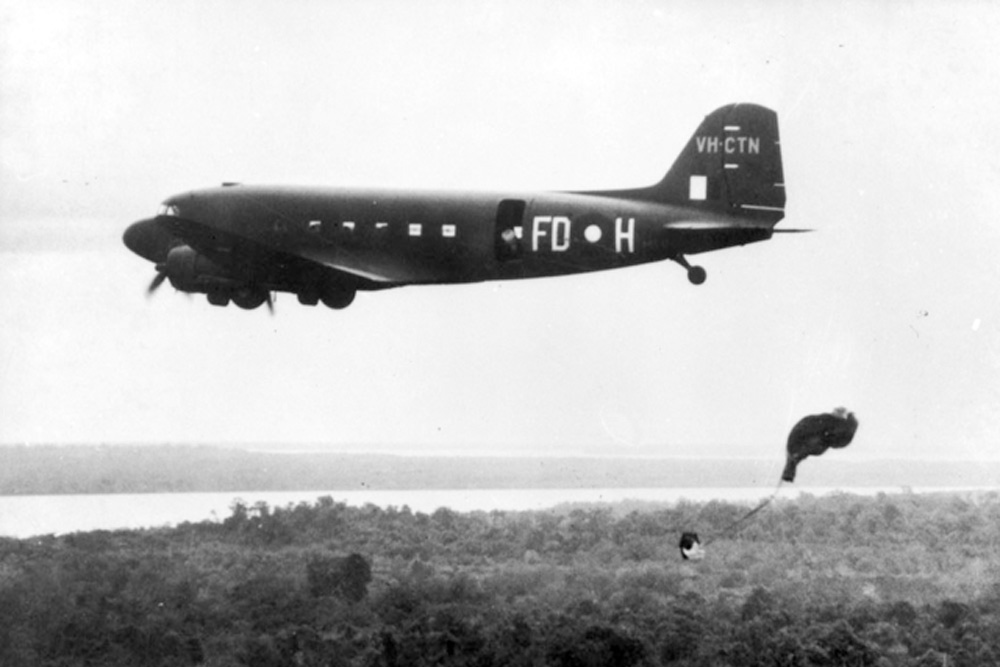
147,239
131,237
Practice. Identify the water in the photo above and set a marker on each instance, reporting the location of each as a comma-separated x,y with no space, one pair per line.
24,516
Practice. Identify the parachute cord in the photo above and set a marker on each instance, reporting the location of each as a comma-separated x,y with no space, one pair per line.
735,524
764,503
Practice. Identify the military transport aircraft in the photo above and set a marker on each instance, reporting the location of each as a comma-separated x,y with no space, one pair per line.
240,243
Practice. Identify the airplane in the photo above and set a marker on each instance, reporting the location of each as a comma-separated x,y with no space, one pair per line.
241,243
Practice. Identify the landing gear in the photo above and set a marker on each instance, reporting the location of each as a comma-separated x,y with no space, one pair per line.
337,298
308,298
218,297
696,274
332,292
246,297
249,298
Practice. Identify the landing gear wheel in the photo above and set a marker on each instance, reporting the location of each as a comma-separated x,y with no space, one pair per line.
337,298
249,298
218,297
308,298
697,275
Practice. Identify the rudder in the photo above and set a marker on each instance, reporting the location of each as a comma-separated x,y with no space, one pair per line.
732,165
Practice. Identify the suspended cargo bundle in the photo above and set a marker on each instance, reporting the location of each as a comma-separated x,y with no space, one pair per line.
811,436
691,547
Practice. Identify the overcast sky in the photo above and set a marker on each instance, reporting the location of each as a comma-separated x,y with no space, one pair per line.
888,114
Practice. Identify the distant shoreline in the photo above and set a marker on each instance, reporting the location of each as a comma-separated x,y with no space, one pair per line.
83,469
25,515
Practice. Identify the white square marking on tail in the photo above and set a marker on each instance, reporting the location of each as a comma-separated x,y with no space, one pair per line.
415,229
698,188
448,231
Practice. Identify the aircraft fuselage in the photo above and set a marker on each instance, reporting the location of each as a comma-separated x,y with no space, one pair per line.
442,237
242,242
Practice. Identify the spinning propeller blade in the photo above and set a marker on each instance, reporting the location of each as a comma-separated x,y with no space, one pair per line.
161,275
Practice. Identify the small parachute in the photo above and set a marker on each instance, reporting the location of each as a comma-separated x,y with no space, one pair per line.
814,434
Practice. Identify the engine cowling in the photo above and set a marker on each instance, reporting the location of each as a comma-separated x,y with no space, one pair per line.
190,271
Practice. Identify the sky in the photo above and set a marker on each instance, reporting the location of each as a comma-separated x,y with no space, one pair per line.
888,119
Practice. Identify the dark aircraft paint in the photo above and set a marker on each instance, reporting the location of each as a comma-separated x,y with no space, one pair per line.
241,242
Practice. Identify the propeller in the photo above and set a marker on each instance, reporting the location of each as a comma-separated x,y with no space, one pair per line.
161,275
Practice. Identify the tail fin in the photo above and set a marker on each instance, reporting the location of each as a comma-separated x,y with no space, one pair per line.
731,165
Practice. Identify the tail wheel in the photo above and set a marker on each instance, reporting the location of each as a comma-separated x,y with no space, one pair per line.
697,275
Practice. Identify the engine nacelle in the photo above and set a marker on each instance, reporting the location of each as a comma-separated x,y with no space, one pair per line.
189,271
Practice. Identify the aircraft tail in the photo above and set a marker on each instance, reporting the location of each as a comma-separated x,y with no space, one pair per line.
732,165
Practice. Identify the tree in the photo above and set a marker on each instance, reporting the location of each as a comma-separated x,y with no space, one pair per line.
347,577
597,646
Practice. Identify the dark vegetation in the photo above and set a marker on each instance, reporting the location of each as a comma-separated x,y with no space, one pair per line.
45,470
839,580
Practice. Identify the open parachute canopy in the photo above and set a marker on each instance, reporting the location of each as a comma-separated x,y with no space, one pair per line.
814,434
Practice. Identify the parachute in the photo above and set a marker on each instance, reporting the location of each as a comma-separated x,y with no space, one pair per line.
811,436
815,434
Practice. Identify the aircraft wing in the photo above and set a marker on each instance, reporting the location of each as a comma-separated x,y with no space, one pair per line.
376,267
255,258
246,258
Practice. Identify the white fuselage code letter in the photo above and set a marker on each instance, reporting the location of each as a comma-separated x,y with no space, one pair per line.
624,234
558,225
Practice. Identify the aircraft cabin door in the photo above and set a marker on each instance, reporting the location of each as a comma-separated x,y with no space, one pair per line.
509,229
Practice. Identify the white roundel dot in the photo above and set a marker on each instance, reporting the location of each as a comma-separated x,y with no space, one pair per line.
592,233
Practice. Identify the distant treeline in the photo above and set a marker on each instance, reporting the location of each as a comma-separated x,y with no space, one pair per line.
888,581
45,470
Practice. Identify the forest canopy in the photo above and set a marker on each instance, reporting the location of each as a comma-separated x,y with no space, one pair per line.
901,579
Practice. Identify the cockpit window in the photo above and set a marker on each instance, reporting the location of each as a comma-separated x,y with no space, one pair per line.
168,209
